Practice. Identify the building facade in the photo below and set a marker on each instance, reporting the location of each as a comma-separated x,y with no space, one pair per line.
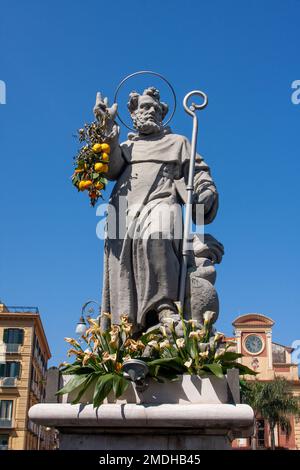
253,338
24,354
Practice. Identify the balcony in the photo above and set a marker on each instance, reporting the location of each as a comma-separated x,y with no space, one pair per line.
35,389
34,428
7,382
4,447
22,309
6,423
12,348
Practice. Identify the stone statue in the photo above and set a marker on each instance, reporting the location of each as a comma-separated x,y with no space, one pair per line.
142,264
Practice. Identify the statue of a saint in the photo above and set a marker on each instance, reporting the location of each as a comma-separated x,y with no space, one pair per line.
142,264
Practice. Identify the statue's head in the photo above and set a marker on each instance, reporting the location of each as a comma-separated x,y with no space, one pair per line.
147,111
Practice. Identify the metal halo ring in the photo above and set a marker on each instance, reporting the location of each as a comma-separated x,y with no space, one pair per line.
151,73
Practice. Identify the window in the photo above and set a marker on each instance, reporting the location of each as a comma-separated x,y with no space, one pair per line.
4,441
13,336
278,354
6,409
10,369
260,433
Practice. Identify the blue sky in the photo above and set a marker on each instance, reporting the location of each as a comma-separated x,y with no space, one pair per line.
244,55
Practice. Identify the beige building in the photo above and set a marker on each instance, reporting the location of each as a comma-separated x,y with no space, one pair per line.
254,339
24,353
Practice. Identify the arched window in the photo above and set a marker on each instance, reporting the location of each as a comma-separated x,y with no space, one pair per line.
13,336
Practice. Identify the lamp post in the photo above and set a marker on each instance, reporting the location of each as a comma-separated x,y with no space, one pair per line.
86,312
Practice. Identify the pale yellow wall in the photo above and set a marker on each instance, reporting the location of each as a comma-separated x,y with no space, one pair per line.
20,438
19,394
265,360
296,391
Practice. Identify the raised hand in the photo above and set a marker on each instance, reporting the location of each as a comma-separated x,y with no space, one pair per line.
102,108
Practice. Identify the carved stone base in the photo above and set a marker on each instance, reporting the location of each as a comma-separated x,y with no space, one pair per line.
196,414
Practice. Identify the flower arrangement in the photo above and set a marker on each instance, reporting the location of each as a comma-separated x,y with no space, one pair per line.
200,351
92,160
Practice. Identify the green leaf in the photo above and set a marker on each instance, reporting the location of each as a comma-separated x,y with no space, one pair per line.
76,370
145,338
216,369
230,356
102,389
168,374
173,361
243,370
73,383
88,383
170,364
119,385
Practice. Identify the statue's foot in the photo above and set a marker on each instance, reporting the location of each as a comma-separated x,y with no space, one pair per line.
171,321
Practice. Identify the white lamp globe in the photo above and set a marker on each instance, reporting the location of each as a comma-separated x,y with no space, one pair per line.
81,327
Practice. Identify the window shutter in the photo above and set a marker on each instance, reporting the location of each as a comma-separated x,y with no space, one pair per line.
17,370
21,337
2,370
13,336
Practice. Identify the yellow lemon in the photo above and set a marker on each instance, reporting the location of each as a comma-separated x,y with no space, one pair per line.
99,185
97,148
101,168
98,167
84,184
105,157
105,148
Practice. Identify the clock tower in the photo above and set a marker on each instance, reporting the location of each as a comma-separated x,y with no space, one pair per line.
253,339
253,335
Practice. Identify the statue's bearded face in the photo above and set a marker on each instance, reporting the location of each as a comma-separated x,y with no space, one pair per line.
147,118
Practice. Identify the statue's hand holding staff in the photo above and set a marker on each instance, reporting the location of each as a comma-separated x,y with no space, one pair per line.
207,198
101,110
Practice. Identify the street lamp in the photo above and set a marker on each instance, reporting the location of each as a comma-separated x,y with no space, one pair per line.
81,326
136,371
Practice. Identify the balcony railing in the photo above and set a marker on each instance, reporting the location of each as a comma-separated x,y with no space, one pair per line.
8,382
12,348
17,309
6,423
4,447
34,428
35,389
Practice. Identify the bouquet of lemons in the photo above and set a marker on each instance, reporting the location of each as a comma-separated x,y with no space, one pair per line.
92,161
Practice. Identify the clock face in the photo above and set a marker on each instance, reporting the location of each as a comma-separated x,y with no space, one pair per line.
253,344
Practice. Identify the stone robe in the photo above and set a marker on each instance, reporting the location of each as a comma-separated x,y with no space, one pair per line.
142,264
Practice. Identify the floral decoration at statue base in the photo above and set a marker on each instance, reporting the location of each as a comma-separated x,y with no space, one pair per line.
92,160
99,367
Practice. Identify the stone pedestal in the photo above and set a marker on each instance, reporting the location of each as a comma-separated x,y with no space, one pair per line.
192,414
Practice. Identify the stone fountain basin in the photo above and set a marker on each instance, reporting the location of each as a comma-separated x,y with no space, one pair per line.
187,389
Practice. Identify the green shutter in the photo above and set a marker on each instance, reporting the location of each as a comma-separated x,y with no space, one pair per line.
2,370
13,336
17,369
21,337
